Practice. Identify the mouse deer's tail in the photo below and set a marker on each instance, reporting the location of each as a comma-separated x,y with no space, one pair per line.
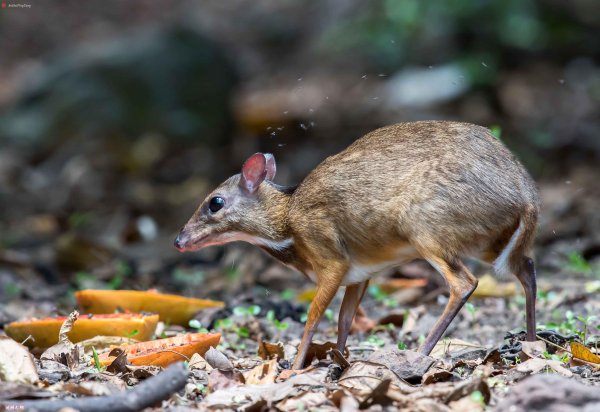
520,245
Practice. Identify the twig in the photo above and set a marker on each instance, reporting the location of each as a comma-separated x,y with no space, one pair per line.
568,351
554,344
175,352
146,394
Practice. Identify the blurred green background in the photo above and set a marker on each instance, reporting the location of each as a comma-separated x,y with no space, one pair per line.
116,117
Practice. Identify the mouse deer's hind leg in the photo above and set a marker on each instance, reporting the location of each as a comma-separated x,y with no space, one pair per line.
513,259
461,284
352,297
526,275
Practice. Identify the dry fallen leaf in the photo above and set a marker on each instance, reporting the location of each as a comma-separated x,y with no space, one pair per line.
344,400
16,363
119,364
534,349
286,374
406,364
262,374
536,365
217,360
198,362
223,379
306,401
318,351
410,321
361,378
268,350
64,352
241,397
446,347
436,374
361,322
579,351
466,403
378,395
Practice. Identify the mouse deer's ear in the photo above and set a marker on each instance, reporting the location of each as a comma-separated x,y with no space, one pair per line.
254,172
271,168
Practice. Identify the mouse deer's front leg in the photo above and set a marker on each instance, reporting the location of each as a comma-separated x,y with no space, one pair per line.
329,281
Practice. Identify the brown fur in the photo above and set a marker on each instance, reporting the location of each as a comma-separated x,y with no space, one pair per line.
437,190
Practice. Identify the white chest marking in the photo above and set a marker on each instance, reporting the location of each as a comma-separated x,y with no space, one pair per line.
359,273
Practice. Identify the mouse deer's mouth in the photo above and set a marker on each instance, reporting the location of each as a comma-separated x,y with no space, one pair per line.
186,243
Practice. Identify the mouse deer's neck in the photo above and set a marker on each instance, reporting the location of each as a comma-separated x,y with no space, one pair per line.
275,233
277,202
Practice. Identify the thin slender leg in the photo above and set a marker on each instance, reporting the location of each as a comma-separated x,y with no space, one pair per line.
527,278
461,284
323,297
352,297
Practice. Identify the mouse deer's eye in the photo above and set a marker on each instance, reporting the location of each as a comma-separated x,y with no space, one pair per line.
216,204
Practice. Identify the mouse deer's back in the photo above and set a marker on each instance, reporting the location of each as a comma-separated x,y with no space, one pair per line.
439,185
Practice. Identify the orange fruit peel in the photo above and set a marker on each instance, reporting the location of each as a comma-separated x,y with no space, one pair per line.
163,352
45,331
172,309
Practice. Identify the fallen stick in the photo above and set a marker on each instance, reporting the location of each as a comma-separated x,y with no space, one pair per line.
147,393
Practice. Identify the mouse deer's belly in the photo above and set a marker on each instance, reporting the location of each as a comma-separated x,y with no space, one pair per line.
364,268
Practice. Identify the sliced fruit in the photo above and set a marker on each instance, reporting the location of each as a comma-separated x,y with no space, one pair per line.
163,352
45,331
171,308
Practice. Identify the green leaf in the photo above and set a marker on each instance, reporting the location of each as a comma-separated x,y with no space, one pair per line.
329,314
470,308
376,341
496,131
578,263
97,364
254,310
477,396
194,324
226,323
281,325
287,294
240,311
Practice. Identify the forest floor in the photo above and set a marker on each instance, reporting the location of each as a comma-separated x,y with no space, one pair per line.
477,366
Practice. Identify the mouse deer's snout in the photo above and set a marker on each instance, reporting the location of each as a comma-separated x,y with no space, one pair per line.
181,241
184,239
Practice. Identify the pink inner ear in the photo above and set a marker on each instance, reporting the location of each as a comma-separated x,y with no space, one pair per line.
271,168
254,172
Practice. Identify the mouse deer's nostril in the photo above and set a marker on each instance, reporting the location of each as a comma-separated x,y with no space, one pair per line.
179,242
